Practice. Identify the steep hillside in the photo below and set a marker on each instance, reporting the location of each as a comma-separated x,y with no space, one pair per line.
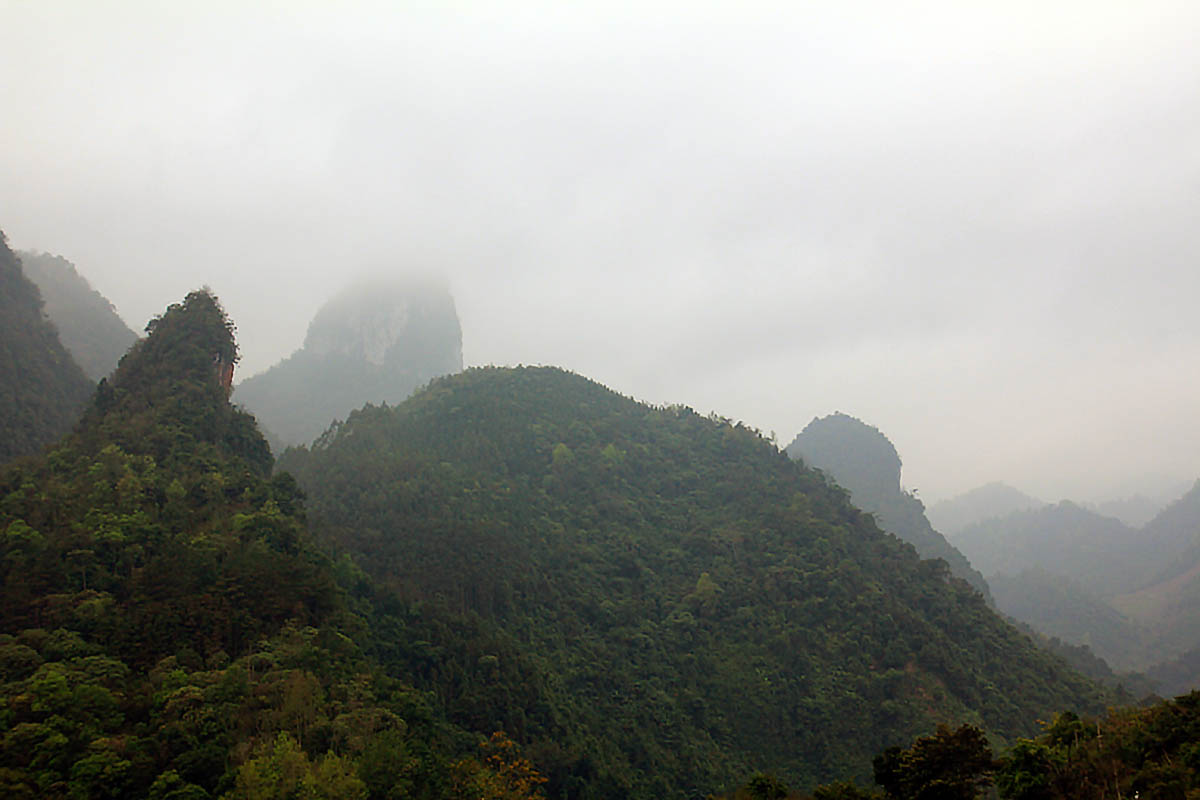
860,458
981,503
167,629
87,323
42,390
658,603
374,343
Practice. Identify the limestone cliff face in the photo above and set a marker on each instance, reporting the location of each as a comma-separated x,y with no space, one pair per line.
376,342
409,325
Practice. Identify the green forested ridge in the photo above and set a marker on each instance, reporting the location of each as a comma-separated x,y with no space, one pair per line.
88,324
42,390
859,457
558,591
657,603
167,629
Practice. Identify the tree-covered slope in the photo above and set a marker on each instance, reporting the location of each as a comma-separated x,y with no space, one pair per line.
860,458
42,390
167,628
88,324
376,342
658,603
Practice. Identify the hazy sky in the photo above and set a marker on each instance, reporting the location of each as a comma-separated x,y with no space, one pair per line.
973,225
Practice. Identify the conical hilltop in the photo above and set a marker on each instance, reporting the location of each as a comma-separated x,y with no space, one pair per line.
168,629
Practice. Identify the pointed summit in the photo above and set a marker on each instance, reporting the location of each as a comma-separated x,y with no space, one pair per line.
860,458
174,386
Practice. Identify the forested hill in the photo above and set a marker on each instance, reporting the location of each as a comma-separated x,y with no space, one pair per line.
658,603
376,342
42,390
859,457
168,630
88,324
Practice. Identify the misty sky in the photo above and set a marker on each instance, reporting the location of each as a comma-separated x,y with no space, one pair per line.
975,226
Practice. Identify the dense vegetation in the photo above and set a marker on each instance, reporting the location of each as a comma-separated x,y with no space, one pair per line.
559,592
1151,752
860,458
42,390
87,322
376,342
168,630
654,602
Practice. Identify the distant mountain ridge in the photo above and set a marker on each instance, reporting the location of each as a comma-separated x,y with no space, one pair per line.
1064,539
87,322
1130,593
42,389
1061,607
864,461
376,342
991,500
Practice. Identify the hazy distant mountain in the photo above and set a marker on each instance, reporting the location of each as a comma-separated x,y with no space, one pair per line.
1135,510
1086,578
1061,607
87,323
1178,675
1101,553
42,389
1174,535
374,343
1170,600
984,502
861,459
